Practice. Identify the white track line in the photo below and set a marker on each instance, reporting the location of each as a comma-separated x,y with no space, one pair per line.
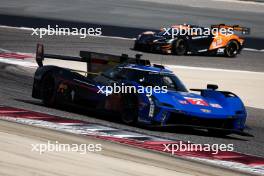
241,2
18,62
254,50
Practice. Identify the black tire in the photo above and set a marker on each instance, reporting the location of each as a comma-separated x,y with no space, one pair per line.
48,90
180,47
232,49
136,46
129,110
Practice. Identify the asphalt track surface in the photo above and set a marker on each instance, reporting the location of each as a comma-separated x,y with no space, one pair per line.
22,41
16,83
16,86
128,18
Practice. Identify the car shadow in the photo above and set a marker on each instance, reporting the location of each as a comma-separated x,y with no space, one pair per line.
192,131
114,118
187,55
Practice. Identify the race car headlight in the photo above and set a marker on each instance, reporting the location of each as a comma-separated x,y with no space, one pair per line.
139,36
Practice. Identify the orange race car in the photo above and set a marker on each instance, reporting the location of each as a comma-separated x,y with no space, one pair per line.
186,39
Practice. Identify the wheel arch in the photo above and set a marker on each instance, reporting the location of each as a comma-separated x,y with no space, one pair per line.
185,39
39,75
238,44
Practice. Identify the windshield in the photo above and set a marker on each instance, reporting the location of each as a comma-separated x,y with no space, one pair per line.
148,78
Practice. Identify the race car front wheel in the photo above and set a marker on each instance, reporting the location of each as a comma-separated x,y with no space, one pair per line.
129,110
180,47
232,48
48,90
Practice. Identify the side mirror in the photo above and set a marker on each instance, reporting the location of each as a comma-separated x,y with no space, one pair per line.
212,86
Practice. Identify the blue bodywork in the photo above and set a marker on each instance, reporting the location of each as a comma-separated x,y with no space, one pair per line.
209,108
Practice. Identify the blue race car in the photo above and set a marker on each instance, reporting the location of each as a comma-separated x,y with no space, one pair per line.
147,94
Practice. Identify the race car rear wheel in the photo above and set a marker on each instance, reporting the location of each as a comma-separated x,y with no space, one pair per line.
180,47
129,110
232,48
48,90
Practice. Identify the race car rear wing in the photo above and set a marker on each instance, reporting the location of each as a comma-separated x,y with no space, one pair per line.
244,30
96,62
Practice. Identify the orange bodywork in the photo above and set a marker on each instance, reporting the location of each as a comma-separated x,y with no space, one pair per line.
217,40
221,40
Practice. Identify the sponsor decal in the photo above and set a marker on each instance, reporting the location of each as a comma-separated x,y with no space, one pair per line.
183,102
206,110
215,105
200,37
218,42
196,101
203,50
221,50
